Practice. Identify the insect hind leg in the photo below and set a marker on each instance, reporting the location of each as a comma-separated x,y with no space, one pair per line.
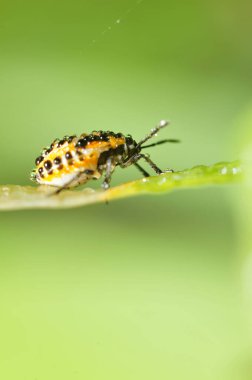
136,157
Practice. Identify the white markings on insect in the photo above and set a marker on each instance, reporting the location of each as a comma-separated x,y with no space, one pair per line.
58,181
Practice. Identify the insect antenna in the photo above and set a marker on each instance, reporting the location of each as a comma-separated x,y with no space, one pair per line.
161,142
154,131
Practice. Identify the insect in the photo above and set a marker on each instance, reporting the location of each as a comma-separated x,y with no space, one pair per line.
74,160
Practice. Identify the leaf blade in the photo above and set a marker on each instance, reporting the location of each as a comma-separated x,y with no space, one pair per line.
15,197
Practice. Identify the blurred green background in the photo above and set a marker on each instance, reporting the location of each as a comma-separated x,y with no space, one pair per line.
142,288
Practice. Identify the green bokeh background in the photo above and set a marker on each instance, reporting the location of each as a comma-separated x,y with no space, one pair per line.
143,288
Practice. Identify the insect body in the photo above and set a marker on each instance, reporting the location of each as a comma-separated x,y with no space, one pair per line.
75,160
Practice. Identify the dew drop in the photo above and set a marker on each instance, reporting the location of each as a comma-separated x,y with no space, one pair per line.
163,123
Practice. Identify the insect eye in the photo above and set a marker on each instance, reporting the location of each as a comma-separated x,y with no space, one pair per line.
129,140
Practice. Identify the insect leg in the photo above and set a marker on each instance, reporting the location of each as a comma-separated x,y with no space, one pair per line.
152,165
145,174
132,160
109,171
136,157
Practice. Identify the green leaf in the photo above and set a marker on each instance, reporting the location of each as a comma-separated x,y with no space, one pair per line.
14,197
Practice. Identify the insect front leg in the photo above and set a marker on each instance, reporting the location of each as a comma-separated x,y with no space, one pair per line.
136,157
108,173
153,165
133,160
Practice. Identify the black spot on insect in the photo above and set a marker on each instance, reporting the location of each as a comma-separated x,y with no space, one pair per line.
54,143
47,151
90,138
82,142
68,155
89,172
96,138
70,138
103,136
41,172
57,160
48,165
39,160
119,135
80,155
61,142
50,172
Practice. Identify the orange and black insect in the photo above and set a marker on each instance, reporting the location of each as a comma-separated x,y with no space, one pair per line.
74,160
